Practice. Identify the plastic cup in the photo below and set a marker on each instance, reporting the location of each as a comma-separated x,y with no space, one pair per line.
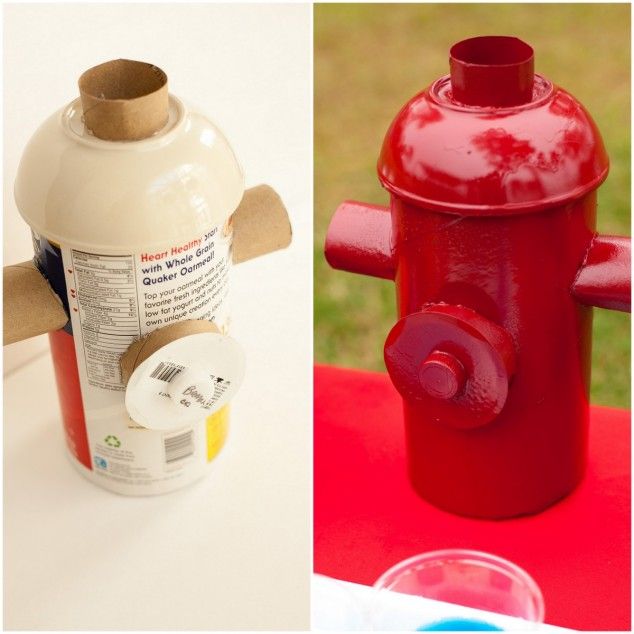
456,590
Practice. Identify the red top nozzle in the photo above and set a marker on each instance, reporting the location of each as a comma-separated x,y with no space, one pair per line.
492,70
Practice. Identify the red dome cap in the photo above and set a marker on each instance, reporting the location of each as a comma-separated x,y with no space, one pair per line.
479,142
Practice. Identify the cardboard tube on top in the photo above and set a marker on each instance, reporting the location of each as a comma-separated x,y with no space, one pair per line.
124,100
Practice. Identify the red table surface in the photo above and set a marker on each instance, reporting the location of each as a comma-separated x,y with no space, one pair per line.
367,517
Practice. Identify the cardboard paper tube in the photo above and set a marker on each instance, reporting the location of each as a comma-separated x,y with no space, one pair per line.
141,349
31,307
260,224
124,100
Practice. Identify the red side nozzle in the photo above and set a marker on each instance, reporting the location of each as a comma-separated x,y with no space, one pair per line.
493,70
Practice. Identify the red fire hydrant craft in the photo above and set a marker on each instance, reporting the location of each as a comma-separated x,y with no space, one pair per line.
490,238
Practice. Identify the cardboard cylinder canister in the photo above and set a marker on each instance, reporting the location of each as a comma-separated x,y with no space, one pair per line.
132,232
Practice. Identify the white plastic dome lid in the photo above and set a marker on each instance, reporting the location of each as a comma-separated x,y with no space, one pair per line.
127,196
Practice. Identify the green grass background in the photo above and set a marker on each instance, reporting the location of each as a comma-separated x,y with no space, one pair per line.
371,58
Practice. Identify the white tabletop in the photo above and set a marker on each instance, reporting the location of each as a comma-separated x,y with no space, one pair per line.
344,606
234,550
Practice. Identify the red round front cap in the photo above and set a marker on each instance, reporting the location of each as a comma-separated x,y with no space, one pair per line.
453,362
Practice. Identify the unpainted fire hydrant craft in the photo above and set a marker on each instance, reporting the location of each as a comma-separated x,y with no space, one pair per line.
490,238
138,210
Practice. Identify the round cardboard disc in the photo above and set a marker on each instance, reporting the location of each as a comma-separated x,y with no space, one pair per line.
185,381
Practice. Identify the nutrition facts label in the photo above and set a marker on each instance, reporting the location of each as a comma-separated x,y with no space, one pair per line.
115,299
103,291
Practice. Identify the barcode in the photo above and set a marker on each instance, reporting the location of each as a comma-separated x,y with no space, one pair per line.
179,447
166,371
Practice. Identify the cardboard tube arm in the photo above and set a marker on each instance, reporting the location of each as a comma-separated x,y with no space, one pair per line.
31,307
604,280
359,240
260,224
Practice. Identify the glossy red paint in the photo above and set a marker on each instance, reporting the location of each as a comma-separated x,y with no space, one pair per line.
358,240
604,280
442,375
492,218
492,71
452,363
471,160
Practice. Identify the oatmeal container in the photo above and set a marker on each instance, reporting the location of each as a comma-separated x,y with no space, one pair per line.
130,196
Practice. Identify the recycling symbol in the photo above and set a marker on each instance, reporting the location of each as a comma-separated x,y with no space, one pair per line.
112,441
